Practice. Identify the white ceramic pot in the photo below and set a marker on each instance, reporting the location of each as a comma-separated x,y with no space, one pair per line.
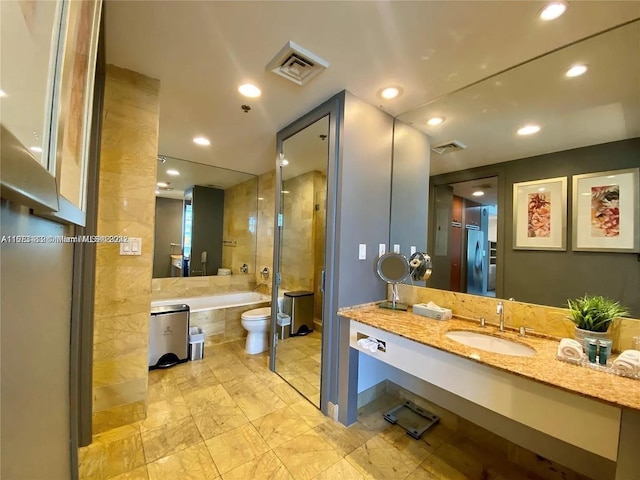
581,334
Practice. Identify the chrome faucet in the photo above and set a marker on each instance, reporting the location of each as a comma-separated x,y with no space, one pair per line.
500,311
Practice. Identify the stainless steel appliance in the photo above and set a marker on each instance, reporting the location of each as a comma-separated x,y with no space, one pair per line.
168,336
299,306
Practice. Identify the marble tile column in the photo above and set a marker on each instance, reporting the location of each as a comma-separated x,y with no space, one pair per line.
126,206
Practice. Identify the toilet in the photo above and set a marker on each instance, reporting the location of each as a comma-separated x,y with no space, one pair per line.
256,323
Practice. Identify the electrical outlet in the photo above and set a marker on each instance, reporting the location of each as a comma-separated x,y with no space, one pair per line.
382,249
362,252
413,249
396,248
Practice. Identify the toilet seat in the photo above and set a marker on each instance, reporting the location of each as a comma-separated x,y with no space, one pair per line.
257,314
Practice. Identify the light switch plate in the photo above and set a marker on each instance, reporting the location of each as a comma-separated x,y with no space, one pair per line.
382,249
362,251
396,248
132,247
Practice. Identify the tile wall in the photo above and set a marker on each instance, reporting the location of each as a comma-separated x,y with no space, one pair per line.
240,226
126,206
176,287
543,319
266,208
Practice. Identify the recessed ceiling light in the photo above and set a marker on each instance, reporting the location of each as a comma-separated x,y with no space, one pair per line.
201,141
528,130
541,189
249,90
390,92
576,70
2,94
162,184
36,149
553,10
478,193
284,162
173,172
435,121
285,191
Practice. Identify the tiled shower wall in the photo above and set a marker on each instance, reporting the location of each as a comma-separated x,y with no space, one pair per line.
126,206
240,226
266,208
297,249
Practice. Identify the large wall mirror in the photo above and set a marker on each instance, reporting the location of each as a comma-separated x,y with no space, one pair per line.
583,120
304,160
206,219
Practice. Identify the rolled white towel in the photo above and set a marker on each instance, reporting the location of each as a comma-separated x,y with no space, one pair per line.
570,349
628,363
370,344
631,356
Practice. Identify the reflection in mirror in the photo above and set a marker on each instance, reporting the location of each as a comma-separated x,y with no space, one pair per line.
467,236
393,268
25,93
587,123
205,220
303,165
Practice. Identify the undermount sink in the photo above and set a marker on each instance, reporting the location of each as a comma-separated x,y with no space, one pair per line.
490,343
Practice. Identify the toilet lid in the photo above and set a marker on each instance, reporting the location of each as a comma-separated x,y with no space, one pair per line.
257,313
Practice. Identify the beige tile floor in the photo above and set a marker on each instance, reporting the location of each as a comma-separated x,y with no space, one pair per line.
298,362
227,417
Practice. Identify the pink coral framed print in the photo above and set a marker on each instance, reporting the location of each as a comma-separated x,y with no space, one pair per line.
540,214
605,211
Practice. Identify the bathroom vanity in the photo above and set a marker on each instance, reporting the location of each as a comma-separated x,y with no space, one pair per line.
591,410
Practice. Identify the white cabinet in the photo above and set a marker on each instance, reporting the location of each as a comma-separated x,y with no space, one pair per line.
563,415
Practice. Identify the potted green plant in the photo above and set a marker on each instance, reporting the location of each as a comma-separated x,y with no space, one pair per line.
592,315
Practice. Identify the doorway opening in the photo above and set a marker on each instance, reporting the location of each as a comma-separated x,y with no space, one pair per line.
467,236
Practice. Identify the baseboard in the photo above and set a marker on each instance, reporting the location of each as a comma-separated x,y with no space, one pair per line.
332,410
372,393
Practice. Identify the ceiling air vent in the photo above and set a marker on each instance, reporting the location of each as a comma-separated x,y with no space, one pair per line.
297,64
448,147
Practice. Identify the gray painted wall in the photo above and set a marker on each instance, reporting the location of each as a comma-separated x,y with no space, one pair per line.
208,214
35,312
410,188
549,278
168,231
364,191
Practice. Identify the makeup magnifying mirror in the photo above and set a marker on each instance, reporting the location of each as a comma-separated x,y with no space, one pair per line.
393,268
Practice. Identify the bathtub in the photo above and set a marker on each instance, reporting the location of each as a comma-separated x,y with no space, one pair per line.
219,316
212,302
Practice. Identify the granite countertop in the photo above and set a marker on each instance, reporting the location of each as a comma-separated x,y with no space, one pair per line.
542,367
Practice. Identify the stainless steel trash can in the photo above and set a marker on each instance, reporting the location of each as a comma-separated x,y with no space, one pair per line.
196,343
284,325
168,335
299,306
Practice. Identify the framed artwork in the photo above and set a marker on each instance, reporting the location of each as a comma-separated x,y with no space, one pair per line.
605,211
540,214
73,99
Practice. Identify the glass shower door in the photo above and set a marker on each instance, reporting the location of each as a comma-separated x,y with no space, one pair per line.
301,230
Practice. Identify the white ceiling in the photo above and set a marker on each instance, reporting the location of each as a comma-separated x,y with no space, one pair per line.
201,51
488,185
306,151
603,105
191,174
